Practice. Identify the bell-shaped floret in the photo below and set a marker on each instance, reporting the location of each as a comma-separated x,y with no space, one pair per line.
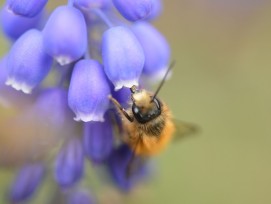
65,35
69,164
98,140
133,10
127,169
123,57
88,91
156,50
80,197
28,8
26,182
28,64
14,25
157,7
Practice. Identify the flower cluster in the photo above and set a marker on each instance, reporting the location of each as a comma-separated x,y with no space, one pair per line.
89,52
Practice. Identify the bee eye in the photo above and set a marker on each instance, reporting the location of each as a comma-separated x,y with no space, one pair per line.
146,116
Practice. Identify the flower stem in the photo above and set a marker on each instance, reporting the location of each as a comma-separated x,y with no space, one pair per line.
102,15
63,74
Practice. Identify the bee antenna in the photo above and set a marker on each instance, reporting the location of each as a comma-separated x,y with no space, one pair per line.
163,80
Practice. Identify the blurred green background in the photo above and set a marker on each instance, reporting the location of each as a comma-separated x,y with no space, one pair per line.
221,82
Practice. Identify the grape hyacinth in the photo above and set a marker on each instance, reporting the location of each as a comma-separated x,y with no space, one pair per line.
55,91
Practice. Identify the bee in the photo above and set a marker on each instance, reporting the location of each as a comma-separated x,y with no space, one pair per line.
148,123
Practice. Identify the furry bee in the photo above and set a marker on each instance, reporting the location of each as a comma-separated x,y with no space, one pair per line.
148,123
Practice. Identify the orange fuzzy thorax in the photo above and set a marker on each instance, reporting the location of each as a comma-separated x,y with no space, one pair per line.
149,144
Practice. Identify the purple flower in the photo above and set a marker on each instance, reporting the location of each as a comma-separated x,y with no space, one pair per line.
134,10
119,161
88,91
98,140
27,63
156,49
80,197
14,25
90,4
69,164
96,56
8,96
123,57
65,35
26,182
28,8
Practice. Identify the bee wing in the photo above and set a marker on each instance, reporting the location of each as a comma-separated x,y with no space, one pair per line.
184,129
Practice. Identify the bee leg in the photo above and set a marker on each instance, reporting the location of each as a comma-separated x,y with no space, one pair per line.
121,109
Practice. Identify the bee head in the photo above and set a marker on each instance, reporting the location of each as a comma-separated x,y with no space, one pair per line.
145,107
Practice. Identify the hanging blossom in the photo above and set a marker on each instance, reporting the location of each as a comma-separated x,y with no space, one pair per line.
58,73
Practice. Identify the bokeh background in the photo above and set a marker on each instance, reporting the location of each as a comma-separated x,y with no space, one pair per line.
221,82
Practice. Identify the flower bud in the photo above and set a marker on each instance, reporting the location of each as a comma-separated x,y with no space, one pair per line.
133,10
27,63
65,35
14,25
28,8
80,197
98,140
157,7
123,57
156,49
88,91
119,161
90,4
69,164
26,182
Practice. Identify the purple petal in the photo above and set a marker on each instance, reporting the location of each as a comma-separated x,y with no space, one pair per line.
69,163
28,64
26,182
123,57
65,35
28,8
134,10
88,91
98,140
15,25
156,49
